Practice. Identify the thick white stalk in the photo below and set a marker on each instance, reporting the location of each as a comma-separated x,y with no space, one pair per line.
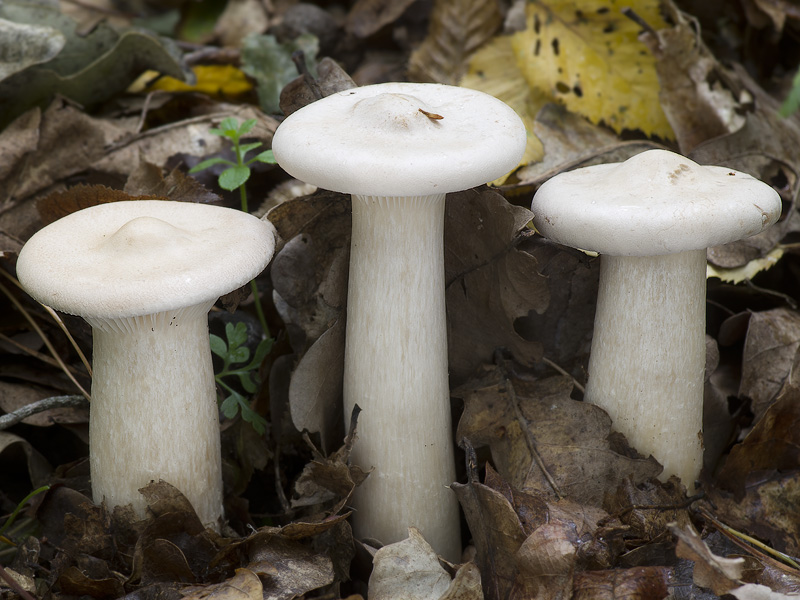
154,410
396,371
648,356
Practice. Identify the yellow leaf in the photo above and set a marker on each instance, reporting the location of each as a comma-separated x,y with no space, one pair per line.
585,53
493,70
224,81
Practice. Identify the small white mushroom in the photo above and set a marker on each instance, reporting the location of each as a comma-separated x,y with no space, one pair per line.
144,274
652,219
398,148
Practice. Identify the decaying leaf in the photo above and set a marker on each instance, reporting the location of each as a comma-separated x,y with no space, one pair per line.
770,350
639,583
490,282
305,89
717,573
587,56
23,45
245,585
368,16
538,434
408,569
526,546
456,30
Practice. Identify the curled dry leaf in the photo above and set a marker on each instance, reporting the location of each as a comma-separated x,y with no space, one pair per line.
368,16
717,573
527,546
304,89
245,585
408,569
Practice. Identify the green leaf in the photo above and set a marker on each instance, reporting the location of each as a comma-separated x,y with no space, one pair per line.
263,348
256,420
792,102
232,178
247,383
218,346
209,163
247,126
230,406
245,148
239,355
265,157
236,334
230,128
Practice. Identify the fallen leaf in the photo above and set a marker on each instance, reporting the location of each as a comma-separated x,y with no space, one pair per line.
640,583
571,438
89,70
407,569
368,16
39,469
490,282
717,573
754,591
245,585
588,57
23,45
770,349
300,91
456,30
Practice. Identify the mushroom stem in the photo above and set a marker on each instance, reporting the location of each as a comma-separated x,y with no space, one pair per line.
648,355
401,381
154,410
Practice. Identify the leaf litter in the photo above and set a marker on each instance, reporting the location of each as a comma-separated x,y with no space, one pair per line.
556,503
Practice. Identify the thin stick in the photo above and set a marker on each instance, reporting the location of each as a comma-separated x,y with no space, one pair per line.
14,417
14,585
553,365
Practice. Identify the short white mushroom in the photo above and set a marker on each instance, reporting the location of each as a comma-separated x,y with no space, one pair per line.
652,218
398,148
144,274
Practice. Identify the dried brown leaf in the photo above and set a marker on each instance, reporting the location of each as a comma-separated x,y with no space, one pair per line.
368,16
14,396
772,445
301,91
572,438
717,573
770,349
639,583
408,569
245,585
490,282
18,139
148,180
60,204
457,28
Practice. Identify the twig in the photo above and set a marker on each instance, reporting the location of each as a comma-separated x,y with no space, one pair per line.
45,339
33,408
553,365
14,585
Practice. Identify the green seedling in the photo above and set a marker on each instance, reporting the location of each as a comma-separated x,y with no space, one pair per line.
10,520
235,176
237,173
236,363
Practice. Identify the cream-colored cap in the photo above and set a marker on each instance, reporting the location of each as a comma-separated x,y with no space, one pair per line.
127,259
401,139
654,203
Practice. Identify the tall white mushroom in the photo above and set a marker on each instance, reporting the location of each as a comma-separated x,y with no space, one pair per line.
652,219
398,148
144,274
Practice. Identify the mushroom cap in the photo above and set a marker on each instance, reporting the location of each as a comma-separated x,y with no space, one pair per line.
376,141
654,203
134,258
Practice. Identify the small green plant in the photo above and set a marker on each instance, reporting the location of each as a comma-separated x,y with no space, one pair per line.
232,352
236,363
237,173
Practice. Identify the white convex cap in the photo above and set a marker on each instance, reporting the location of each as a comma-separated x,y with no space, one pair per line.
401,139
654,203
133,258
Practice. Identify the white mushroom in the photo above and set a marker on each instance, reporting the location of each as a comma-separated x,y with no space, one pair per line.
652,219
398,148
144,274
